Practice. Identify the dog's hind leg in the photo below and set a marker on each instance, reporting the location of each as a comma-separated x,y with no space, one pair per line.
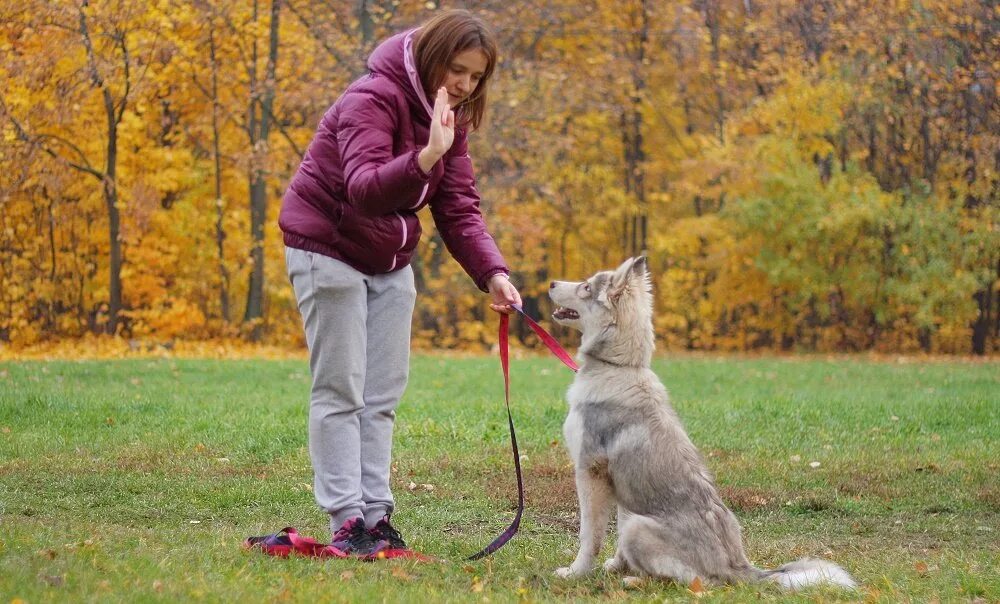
596,502
646,548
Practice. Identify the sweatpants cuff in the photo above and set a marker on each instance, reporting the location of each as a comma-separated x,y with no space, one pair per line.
337,520
374,514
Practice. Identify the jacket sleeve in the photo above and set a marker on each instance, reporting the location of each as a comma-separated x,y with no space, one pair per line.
377,183
455,207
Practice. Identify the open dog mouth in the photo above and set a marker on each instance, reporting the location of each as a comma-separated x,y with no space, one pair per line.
564,313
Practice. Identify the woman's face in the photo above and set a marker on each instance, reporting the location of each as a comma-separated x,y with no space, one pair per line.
463,73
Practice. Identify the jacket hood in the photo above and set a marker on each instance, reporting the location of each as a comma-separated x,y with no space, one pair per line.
394,59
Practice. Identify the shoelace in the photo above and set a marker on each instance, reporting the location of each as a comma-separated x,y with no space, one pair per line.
357,535
386,531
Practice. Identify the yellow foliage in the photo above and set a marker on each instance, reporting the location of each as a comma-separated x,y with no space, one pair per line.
825,187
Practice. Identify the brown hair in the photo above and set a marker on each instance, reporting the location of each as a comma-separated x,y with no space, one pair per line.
440,39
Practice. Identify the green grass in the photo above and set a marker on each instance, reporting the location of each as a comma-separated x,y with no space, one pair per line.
137,480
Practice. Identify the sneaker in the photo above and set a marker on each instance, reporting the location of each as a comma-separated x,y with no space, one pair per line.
384,531
354,539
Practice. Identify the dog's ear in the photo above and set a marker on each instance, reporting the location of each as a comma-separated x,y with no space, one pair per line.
625,277
640,272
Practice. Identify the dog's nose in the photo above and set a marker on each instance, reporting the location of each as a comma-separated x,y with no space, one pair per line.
552,285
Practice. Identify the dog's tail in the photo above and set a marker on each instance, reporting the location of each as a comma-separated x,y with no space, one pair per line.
808,572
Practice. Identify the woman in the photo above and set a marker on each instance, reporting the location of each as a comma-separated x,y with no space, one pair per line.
382,152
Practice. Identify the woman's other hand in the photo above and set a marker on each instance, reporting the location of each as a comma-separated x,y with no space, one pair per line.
503,293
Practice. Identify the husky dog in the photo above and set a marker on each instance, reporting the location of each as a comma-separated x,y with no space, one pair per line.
629,448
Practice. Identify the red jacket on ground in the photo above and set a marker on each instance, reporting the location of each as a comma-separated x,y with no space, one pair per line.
358,188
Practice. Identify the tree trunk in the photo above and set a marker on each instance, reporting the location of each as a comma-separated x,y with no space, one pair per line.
985,320
632,129
220,205
259,128
114,115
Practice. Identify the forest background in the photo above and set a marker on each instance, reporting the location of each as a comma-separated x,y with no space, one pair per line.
804,175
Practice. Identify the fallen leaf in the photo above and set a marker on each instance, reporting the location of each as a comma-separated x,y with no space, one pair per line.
5,430
796,458
347,575
157,585
110,421
400,573
921,568
696,587
814,464
477,585
47,553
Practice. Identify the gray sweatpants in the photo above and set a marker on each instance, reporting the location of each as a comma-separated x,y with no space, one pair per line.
358,333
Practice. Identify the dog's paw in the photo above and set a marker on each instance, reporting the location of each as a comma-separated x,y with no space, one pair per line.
614,565
569,572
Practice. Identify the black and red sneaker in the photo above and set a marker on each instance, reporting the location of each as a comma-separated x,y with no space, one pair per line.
355,540
384,531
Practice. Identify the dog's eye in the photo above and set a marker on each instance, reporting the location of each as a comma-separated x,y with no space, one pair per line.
586,287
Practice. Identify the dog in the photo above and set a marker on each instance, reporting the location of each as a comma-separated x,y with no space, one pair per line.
630,449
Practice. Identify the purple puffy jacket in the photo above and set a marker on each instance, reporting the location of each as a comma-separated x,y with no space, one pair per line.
357,191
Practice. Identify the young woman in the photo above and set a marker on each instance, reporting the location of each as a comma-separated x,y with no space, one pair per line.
394,142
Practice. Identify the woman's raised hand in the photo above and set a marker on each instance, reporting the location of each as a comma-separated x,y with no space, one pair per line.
442,124
442,133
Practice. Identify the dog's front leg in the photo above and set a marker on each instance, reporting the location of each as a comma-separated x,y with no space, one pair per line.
593,489
617,563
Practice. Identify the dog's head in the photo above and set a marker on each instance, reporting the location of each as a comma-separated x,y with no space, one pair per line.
613,310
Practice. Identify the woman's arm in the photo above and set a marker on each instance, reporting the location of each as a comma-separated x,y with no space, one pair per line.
377,182
455,208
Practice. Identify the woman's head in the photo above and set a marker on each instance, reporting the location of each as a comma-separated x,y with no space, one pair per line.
456,50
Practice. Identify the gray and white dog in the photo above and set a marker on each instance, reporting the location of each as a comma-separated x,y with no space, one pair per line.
630,449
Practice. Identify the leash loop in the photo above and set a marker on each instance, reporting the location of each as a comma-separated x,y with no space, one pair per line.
562,355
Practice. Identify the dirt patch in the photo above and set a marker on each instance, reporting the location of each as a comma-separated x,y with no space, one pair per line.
990,496
550,485
746,499
864,485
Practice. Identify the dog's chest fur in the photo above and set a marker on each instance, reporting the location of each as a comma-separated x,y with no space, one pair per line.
603,405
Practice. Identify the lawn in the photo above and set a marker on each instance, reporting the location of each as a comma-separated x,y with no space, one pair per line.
137,480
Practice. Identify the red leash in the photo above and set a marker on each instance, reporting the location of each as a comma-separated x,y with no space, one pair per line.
563,356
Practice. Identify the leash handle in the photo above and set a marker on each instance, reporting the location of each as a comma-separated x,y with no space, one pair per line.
563,356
